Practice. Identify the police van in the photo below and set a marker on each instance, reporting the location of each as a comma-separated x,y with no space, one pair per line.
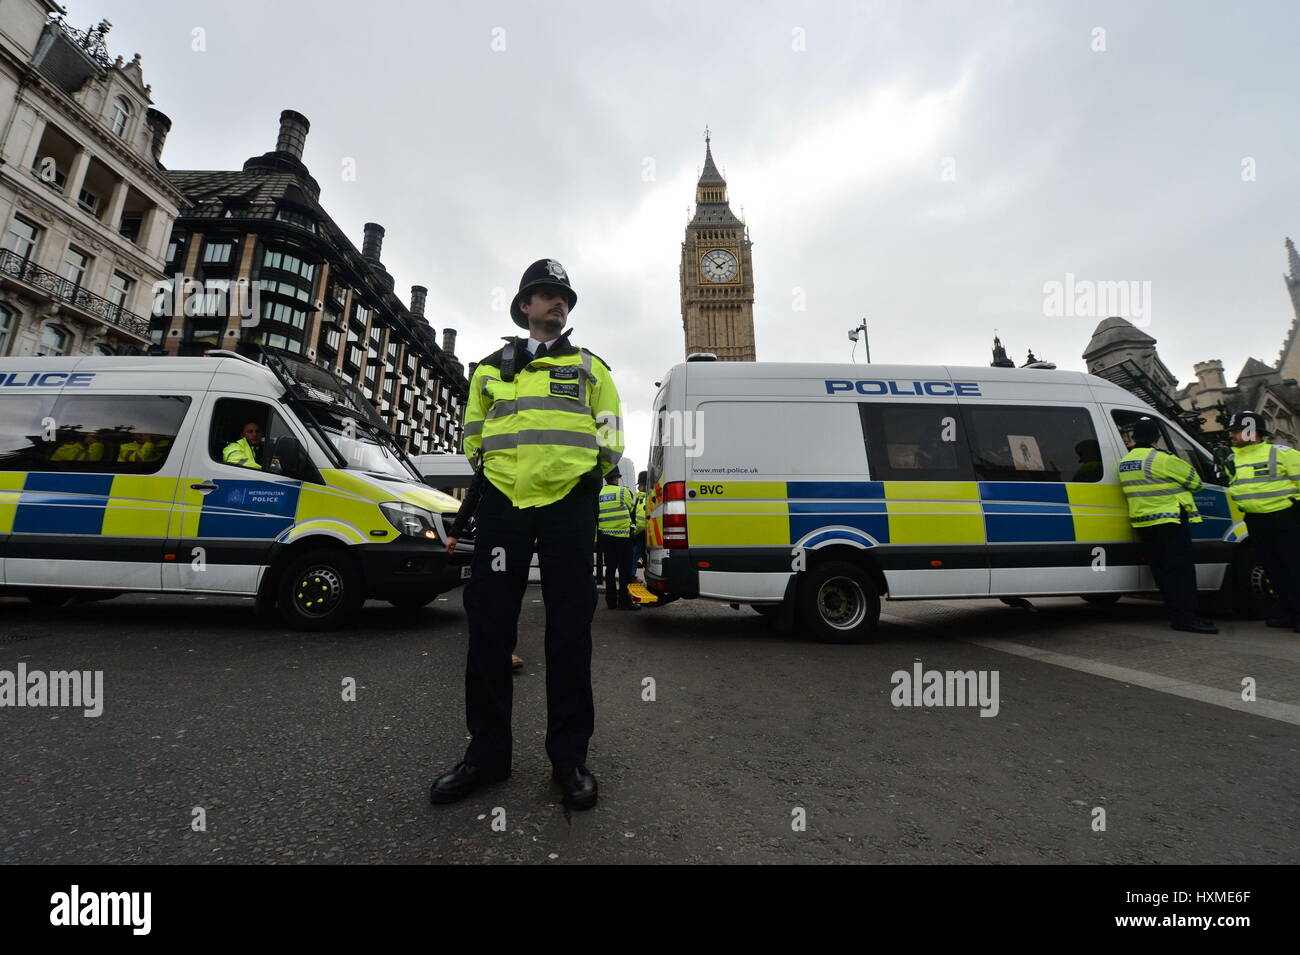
816,490
212,475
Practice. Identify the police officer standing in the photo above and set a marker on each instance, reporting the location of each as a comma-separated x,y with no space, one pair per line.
1266,486
1159,488
638,524
545,416
614,522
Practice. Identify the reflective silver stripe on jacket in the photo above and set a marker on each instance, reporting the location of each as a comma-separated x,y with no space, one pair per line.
500,409
1269,475
1285,492
473,427
573,439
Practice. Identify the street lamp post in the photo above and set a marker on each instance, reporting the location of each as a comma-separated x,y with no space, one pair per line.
861,330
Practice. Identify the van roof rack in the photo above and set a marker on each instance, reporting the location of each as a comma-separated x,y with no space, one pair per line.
223,353
312,383
701,356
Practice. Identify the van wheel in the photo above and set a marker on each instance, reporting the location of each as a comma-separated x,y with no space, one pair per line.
319,590
1101,600
838,603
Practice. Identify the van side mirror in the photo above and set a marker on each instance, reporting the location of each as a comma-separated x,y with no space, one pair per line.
290,457
1223,466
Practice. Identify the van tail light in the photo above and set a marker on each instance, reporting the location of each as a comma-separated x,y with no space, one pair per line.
674,515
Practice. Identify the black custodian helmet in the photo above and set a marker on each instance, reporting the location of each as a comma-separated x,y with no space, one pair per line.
541,272
1248,419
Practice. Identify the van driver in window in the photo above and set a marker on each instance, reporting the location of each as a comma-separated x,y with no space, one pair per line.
243,452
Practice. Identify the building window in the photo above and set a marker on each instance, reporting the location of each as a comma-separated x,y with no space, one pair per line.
89,201
175,247
288,262
119,289
218,253
75,264
54,341
280,312
22,237
121,116
130,227
293,217
8,325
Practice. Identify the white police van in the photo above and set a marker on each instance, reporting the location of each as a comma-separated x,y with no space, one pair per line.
818,489
121,474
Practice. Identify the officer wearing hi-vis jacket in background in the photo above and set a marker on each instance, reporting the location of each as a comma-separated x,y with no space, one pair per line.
1159,488
545,415
1266,486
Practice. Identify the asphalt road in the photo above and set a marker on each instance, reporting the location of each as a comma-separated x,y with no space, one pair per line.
750,730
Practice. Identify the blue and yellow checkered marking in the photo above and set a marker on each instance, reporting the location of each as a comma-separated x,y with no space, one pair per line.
128,505
766,513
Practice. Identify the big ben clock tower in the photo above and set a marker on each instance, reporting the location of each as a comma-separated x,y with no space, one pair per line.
717,276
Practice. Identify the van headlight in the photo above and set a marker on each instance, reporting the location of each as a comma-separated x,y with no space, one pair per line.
411,520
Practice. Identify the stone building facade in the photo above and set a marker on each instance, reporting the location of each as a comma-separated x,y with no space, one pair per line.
85,205
1270,389
254,259
716,273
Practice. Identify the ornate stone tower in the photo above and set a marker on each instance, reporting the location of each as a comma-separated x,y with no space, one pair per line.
1288,363
717,276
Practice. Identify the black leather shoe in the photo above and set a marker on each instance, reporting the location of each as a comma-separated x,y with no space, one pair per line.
579,786
463,780
1285,623
1196,625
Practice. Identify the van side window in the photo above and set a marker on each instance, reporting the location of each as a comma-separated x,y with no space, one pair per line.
920,442
1126,419
101,434
22,444
252,434
1024,443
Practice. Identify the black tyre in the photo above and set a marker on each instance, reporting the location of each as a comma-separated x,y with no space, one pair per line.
1101,600
48,599
412,602
838,603
319,590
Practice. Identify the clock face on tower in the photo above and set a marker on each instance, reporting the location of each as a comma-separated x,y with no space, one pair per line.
718,265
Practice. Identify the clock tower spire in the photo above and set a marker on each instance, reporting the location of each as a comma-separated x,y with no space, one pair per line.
716,273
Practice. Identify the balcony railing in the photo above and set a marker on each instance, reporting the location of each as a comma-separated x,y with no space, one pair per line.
15,266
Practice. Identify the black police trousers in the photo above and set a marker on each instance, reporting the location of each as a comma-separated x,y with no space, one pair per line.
1168,549
617,553
562,533
1276,536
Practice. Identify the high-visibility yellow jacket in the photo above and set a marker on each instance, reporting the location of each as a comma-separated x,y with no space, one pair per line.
136,452
1266,477
241,452
557,421
1158,487
638,522
617,508
72,451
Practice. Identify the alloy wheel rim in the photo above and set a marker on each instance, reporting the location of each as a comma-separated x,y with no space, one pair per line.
841,603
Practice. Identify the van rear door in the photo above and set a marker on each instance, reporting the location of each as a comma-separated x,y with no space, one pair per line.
94,505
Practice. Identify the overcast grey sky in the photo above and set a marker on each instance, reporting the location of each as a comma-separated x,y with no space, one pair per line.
929,166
